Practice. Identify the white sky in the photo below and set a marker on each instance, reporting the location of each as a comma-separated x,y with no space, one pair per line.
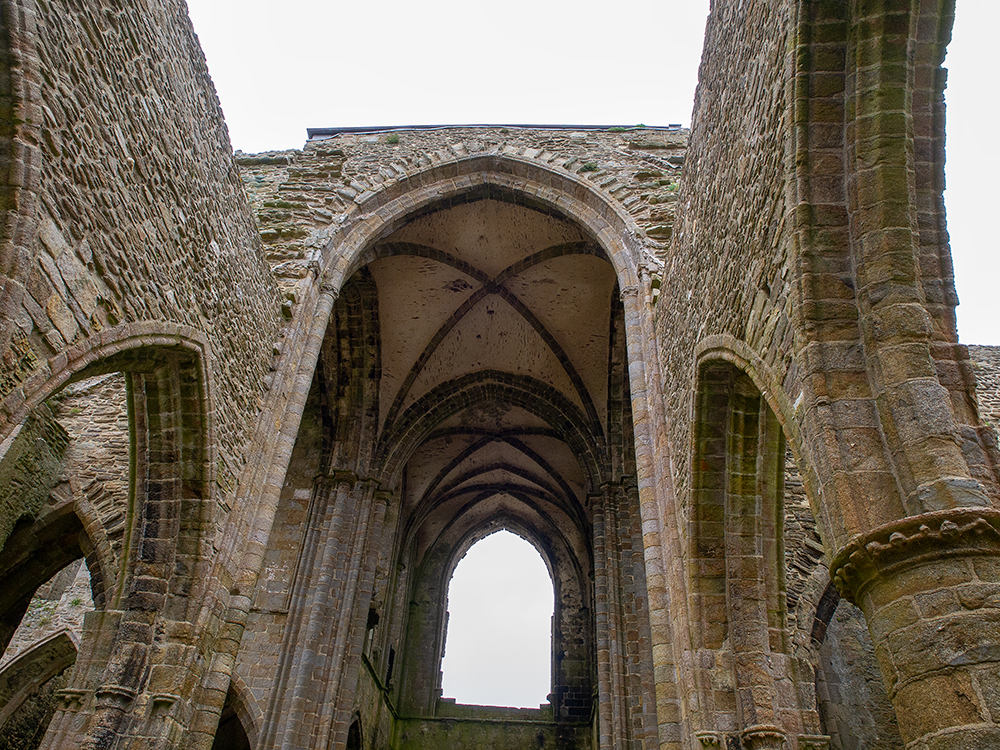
498,649
282,67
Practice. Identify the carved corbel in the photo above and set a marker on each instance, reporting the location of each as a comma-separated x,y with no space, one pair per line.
71,699
763,737
814,742
956,532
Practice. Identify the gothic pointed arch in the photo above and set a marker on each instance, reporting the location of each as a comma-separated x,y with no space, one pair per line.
163,562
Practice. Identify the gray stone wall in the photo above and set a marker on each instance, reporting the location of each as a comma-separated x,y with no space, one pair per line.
30,462
58,605
986,366
140,214
727,270
302,197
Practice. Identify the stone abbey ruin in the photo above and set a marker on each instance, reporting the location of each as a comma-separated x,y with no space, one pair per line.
255,408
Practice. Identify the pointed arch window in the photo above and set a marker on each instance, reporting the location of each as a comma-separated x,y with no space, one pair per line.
498,647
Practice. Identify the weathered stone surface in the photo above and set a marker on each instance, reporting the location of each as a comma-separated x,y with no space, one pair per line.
271,399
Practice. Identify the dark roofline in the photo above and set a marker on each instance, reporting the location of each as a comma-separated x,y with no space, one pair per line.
319,132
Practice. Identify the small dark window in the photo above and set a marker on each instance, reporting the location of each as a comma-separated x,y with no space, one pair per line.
392,661
354,736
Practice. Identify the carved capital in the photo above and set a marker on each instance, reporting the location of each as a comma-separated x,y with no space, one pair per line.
956,532
814,742
163,702
113,694
337,477
763,737
709,739
71,699
629,291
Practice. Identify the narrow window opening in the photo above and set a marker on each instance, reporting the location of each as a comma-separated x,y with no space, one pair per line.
498,648
354,740
370,632
392,662
231,734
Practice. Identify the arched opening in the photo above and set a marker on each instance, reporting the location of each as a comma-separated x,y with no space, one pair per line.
498,646
29,684
354,739
473,377
231,734
134,502
854,706
753,549
59,605
69,464
236,729
67,476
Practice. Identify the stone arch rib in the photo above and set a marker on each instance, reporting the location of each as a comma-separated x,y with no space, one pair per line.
489,286
398,443
167,552
505,178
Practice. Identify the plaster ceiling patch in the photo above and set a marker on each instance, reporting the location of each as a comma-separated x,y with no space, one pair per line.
428,461
489,234
495,415
498,462
416,295
571,296
493,336
558,455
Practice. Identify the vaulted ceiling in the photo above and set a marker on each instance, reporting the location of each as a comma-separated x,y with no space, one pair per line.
493,292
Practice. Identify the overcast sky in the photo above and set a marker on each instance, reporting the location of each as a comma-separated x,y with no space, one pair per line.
498,651
281,67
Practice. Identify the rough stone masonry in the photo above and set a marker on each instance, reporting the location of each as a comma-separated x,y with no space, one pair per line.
255,407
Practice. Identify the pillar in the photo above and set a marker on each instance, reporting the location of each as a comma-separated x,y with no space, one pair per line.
929,586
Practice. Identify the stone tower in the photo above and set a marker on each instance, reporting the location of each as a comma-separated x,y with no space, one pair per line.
270,400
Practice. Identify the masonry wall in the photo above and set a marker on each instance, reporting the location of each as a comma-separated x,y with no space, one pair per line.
302,197
135,210
728,269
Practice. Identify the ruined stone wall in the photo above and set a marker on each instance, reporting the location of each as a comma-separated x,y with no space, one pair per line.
728,269
140,214
302,197
58,605
986,366
30,462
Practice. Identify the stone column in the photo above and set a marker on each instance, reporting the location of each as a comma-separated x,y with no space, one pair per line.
929,586
611,729
77,703
317,636
359,587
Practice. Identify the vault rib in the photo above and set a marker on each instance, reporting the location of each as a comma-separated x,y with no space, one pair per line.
488,491
513,443
581,389
492,286
537,478
413,249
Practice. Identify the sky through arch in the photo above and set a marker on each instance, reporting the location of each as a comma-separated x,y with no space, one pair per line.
498,650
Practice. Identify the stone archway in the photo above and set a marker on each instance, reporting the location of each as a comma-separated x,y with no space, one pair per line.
162,564
477,350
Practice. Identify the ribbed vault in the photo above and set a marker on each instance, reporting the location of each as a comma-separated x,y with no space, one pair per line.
503,312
